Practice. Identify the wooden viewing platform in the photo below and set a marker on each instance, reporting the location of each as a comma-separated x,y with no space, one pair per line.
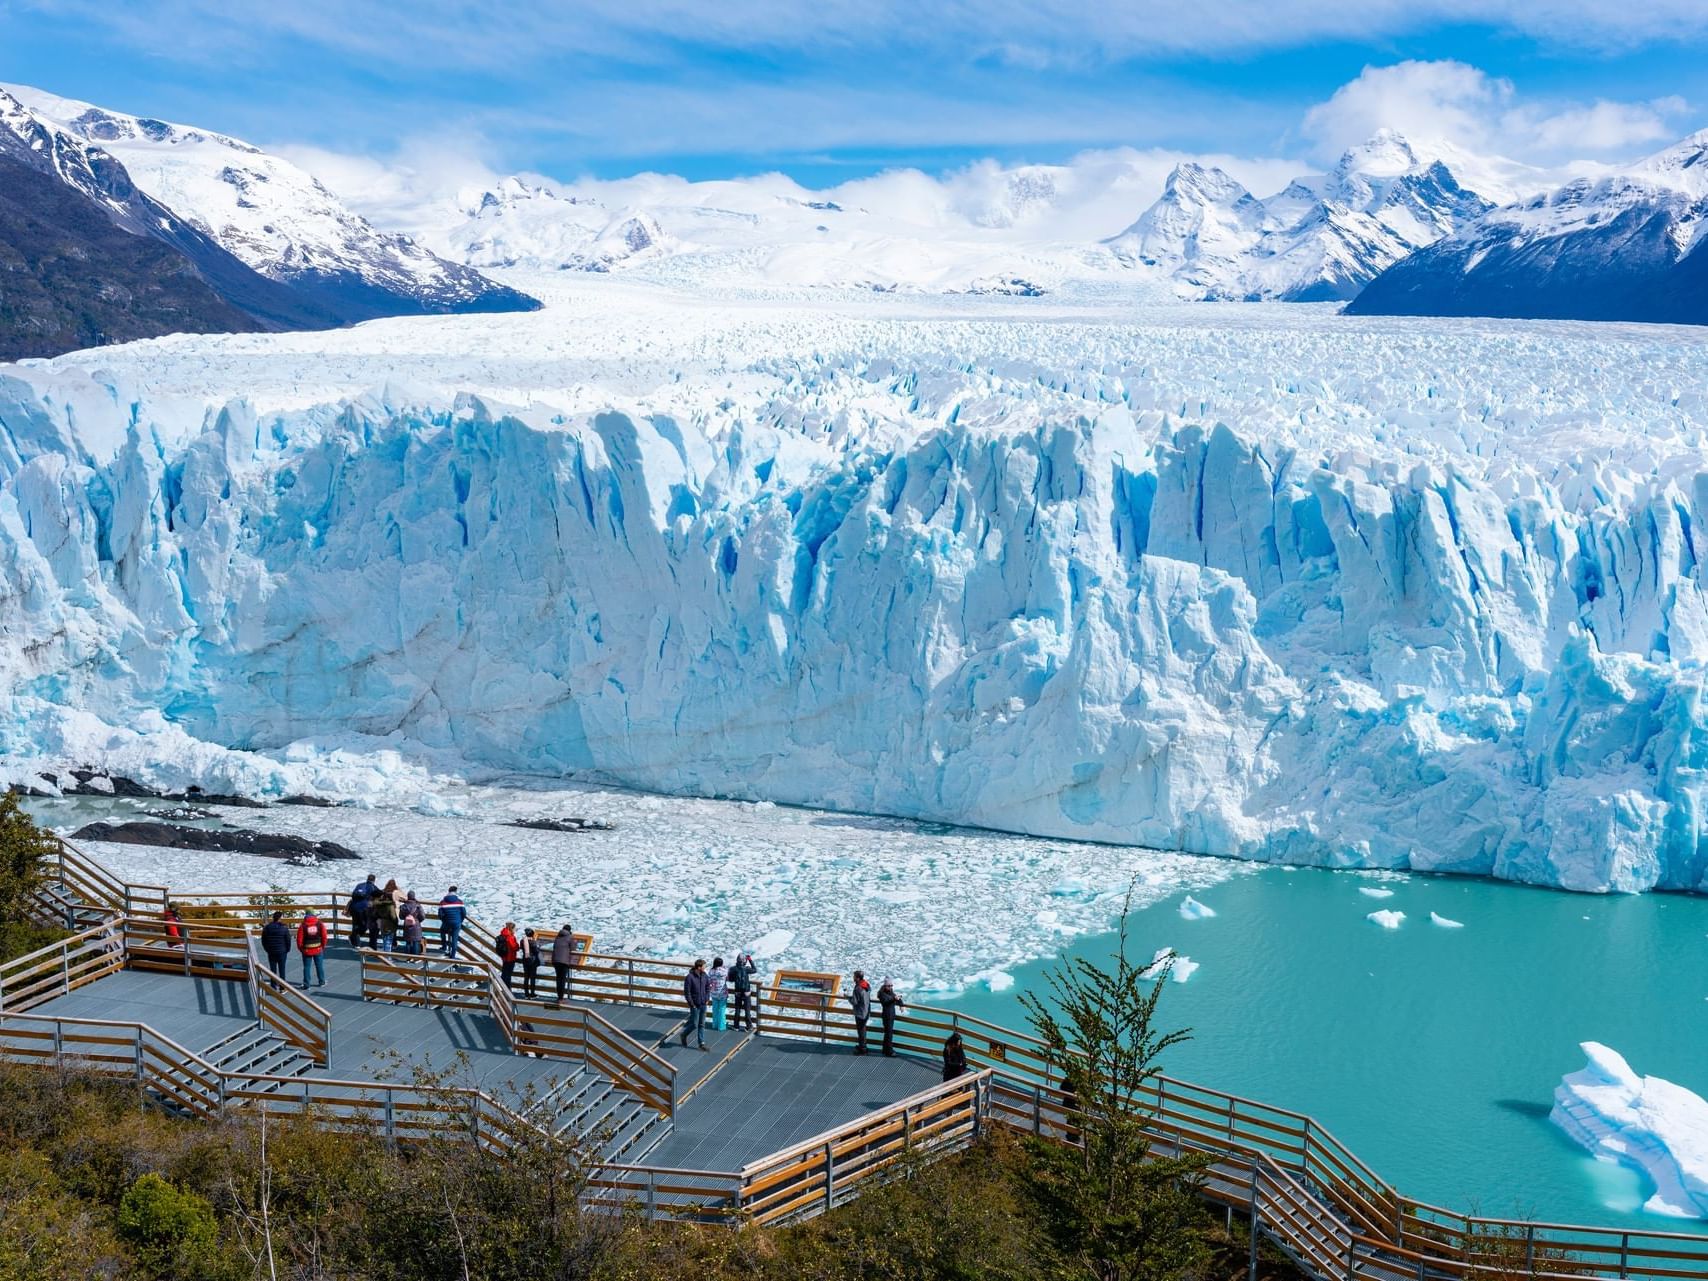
766,1128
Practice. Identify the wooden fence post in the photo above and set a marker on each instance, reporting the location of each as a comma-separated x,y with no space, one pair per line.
1530,1249
829,1176
1624,1254
1251,1271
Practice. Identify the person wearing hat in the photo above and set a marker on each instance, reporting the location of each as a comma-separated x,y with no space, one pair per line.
860,997
888,1003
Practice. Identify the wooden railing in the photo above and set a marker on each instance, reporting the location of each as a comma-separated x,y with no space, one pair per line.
189,1082
818,1173
201,949
288,1013
1297,1183
425,980
580,1035
60,968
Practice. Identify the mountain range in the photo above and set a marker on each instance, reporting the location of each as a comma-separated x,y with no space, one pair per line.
1629,245
115,227
213,233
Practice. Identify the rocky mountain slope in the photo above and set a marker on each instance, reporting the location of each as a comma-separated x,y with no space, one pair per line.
276,218
1626,246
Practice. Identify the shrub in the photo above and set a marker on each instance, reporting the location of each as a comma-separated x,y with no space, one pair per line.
173,1232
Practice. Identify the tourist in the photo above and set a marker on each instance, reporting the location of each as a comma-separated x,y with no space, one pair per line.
954,1057
361,912
311,942
508,950
382,909
276,943
563,956
412,906
861,999
414,938
717,988
530,964
174,926
741,983
452,913
694,992
888,1003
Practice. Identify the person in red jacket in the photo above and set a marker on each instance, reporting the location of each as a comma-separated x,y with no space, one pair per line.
311,942
508,950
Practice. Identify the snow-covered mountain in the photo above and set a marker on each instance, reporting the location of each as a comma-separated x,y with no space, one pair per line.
79,284
1303,587
1629,245
1320,239
274,217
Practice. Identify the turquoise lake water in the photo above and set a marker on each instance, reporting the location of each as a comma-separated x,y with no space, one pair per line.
1432,1053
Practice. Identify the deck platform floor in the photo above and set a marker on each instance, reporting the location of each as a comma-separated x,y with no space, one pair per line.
745,1096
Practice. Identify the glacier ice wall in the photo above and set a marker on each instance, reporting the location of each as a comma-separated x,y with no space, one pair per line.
1060,598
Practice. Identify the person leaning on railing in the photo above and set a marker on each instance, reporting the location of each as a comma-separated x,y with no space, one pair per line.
563,956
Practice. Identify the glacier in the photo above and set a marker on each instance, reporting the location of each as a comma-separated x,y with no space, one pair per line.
1279,585
1654,1126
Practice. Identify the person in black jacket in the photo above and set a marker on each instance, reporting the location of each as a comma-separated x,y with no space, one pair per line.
530,965
954,1057
741,983
276,943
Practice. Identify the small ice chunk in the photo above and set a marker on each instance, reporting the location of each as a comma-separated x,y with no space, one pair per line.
1438,919
1192,910
1183,968
771,944
1370,892
1387,918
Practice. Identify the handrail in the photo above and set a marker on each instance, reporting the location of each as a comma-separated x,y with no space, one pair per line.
292,1015
1298,1171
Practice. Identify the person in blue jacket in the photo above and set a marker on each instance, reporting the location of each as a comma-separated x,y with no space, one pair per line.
452,913
276,943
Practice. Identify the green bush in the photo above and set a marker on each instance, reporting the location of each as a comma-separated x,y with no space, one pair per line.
173,1233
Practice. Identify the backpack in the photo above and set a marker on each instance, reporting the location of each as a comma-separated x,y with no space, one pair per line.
314,933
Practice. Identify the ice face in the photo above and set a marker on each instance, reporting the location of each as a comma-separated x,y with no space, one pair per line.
1643,1122
1282,586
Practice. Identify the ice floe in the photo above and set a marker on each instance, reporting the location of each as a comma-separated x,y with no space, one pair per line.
1644,1122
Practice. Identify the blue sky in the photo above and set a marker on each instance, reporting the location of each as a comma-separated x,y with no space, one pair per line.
831,90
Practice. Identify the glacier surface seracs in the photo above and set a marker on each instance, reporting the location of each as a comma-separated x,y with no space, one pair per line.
1281,585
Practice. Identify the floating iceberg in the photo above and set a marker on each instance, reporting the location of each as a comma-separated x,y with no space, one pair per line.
1192,910
1387,918
1436,918
1183,967
1644,1122
1369,892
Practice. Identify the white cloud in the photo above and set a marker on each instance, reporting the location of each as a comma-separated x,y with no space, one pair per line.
1452,102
